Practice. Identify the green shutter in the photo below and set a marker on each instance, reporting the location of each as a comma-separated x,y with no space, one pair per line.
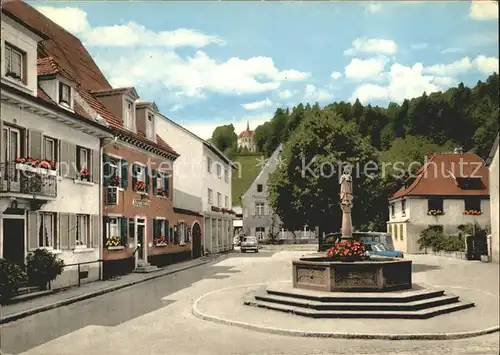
154,181
134,177
166,229
155,228
123,231
104,229
124,177
165,183
146,174
106,170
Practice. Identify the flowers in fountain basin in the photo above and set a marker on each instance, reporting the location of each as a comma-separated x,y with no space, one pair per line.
160,240
84,175
344,250
140,186
435,212
113,241
36,163
473,212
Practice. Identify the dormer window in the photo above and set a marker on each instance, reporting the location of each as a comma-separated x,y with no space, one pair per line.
129,116
150,130
64,95
14,63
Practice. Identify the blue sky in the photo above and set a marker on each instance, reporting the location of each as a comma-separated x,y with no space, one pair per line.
211,63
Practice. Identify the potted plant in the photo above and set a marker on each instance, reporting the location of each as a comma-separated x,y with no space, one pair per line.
11,278
43,267
347,251
113,242
435,212
84,175
162,193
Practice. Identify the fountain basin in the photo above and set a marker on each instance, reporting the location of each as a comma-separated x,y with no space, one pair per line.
317,272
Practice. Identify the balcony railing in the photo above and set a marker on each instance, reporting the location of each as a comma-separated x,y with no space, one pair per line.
17,178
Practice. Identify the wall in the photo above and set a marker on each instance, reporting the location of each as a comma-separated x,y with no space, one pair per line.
187,201
212,181
494,201
23,39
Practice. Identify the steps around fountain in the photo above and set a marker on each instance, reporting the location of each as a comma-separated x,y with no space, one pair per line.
418,304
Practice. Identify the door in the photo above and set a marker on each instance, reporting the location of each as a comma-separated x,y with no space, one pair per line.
141,229
13,240
196,235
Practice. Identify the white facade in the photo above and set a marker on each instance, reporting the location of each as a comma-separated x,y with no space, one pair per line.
406,225
494,201
248,143
192,176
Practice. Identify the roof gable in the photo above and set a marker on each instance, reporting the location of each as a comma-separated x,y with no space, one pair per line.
267,169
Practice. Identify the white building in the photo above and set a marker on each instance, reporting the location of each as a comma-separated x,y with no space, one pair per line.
46,202
492,163
442,194
246,139
202,172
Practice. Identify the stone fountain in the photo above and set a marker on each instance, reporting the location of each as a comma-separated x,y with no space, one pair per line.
367,288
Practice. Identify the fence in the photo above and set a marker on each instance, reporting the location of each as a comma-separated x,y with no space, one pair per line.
75,274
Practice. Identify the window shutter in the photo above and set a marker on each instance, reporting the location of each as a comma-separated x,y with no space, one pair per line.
147,177
124,178
123,230
166,181
35,144
94,224
96,162
64,231
104,229
106,171
32,231
134,177
253,208
154,172
72,231
167,230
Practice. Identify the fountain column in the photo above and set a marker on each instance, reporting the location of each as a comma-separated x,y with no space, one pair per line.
346,198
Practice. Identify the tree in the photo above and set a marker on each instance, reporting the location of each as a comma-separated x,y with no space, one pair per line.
305,189
225,139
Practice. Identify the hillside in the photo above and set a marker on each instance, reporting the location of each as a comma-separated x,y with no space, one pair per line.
250,168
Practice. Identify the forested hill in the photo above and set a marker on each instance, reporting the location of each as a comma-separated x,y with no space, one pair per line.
460,116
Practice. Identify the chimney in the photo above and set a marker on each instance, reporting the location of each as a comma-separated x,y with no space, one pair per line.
458,150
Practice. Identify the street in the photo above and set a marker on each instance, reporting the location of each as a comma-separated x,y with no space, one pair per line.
155,317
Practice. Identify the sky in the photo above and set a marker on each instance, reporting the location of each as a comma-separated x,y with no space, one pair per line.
209,63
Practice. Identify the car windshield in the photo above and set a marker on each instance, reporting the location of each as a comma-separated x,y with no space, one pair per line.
379,247
249,240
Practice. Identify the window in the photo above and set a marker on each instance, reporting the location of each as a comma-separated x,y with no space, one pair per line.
140,173
113,227
393,209
150,132
260,232
129,115
259,209
114,168
49,149
472,204
182,233
226,201
12,147
65,94
46,232
14,63
403,206
210,197
219,171
226,175
259,187
82,229
219,197
435,204
401,231
160,181
83,159
209,165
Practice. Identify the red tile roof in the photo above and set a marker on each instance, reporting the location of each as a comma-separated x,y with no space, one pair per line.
70,56
48,66
438,176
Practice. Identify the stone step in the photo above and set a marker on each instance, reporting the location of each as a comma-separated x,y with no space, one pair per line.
312,313
145,269
359,297
28,296
360,306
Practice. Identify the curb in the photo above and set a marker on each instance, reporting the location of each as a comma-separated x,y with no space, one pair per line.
32,311
299,333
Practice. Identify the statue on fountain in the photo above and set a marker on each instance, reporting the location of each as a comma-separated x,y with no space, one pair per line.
346,198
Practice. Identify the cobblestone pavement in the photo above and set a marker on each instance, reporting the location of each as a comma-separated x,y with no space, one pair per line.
173,329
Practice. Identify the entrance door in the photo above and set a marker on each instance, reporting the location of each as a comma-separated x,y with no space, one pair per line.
196,235
141,237
13,240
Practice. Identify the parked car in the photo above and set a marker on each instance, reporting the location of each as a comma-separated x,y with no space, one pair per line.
249,243
377,249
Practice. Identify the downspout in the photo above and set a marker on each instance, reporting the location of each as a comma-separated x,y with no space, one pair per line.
101,199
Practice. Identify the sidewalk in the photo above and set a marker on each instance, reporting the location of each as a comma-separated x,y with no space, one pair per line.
20,310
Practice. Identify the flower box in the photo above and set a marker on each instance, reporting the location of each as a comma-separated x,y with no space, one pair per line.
435,213
34,169
117,247
161,244
113,242
348,251
472,213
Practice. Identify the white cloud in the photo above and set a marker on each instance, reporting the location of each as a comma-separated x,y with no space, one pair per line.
365,69
285,94
444,81
451,50
335,75
257,104
372,7
483,10
487,65
313,94
204,129
372,45
192,76
176,107
131,34
482,63
419,46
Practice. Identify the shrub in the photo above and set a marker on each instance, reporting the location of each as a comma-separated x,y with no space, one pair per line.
11,278
433,238
43,267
